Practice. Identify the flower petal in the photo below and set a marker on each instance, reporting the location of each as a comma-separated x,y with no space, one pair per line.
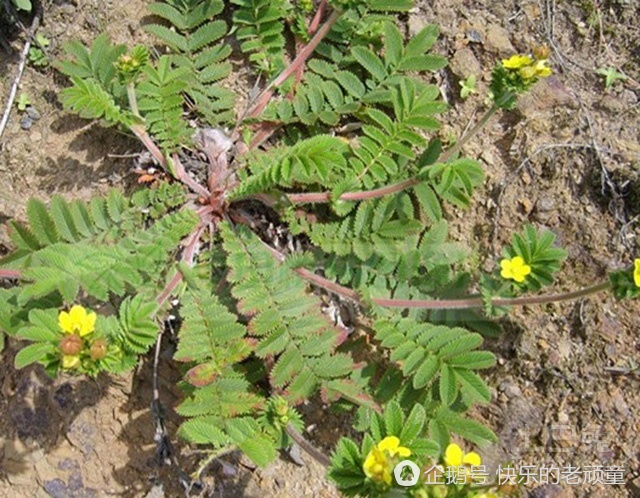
386,476
78,314
390,444
472,459
453,455
403,451
88,324
369,462
65,323
516,61
636,272
517,262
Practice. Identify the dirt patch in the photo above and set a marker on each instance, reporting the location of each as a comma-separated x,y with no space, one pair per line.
567,159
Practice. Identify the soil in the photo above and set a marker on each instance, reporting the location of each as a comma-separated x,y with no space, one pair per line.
567,384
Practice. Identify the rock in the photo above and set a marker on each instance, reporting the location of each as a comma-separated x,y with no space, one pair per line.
156,491
464,64
56,488
612,104
510,389
629,97
68,9
498,40
295,453
620,404
609,329
26,122
547,94
474,36
82,435
416,24
32,113
634,487
545,204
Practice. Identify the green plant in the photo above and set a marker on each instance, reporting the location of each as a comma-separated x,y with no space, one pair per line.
23,102
37,55
366,208
22,4
468,86
610,76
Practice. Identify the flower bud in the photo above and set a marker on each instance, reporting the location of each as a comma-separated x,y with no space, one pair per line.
70,361
541,52
98,349
71,344
508,488
527,72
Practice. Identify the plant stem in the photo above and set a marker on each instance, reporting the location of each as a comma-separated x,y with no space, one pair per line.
144,137
477,302
213,455
354,196
435,304
9,273
449,153
133,101
263,98
403,185
191,242
307,446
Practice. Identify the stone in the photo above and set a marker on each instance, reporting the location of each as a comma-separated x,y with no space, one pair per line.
474,36
612,104
156,491
26,122
464,64
32,113
548,93
498,41
416,24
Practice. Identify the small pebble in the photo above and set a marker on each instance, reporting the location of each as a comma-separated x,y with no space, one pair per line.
26,122
33,113
474,36
295,453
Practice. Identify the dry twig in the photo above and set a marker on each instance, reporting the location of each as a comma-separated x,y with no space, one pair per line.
16,81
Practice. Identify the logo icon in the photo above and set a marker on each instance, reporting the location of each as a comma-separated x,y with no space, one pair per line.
404,478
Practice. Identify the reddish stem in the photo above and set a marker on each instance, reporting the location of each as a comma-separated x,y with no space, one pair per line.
354,196
465,303
262,99
9,273
396,187
182,175
313,27
144,137
267,129
187,257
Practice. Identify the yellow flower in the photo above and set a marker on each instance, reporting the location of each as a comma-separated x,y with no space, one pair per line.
636,271
70,361
542,71
391,444
514,268
517,61
77,321
487,495
380,461
455,457
527,67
